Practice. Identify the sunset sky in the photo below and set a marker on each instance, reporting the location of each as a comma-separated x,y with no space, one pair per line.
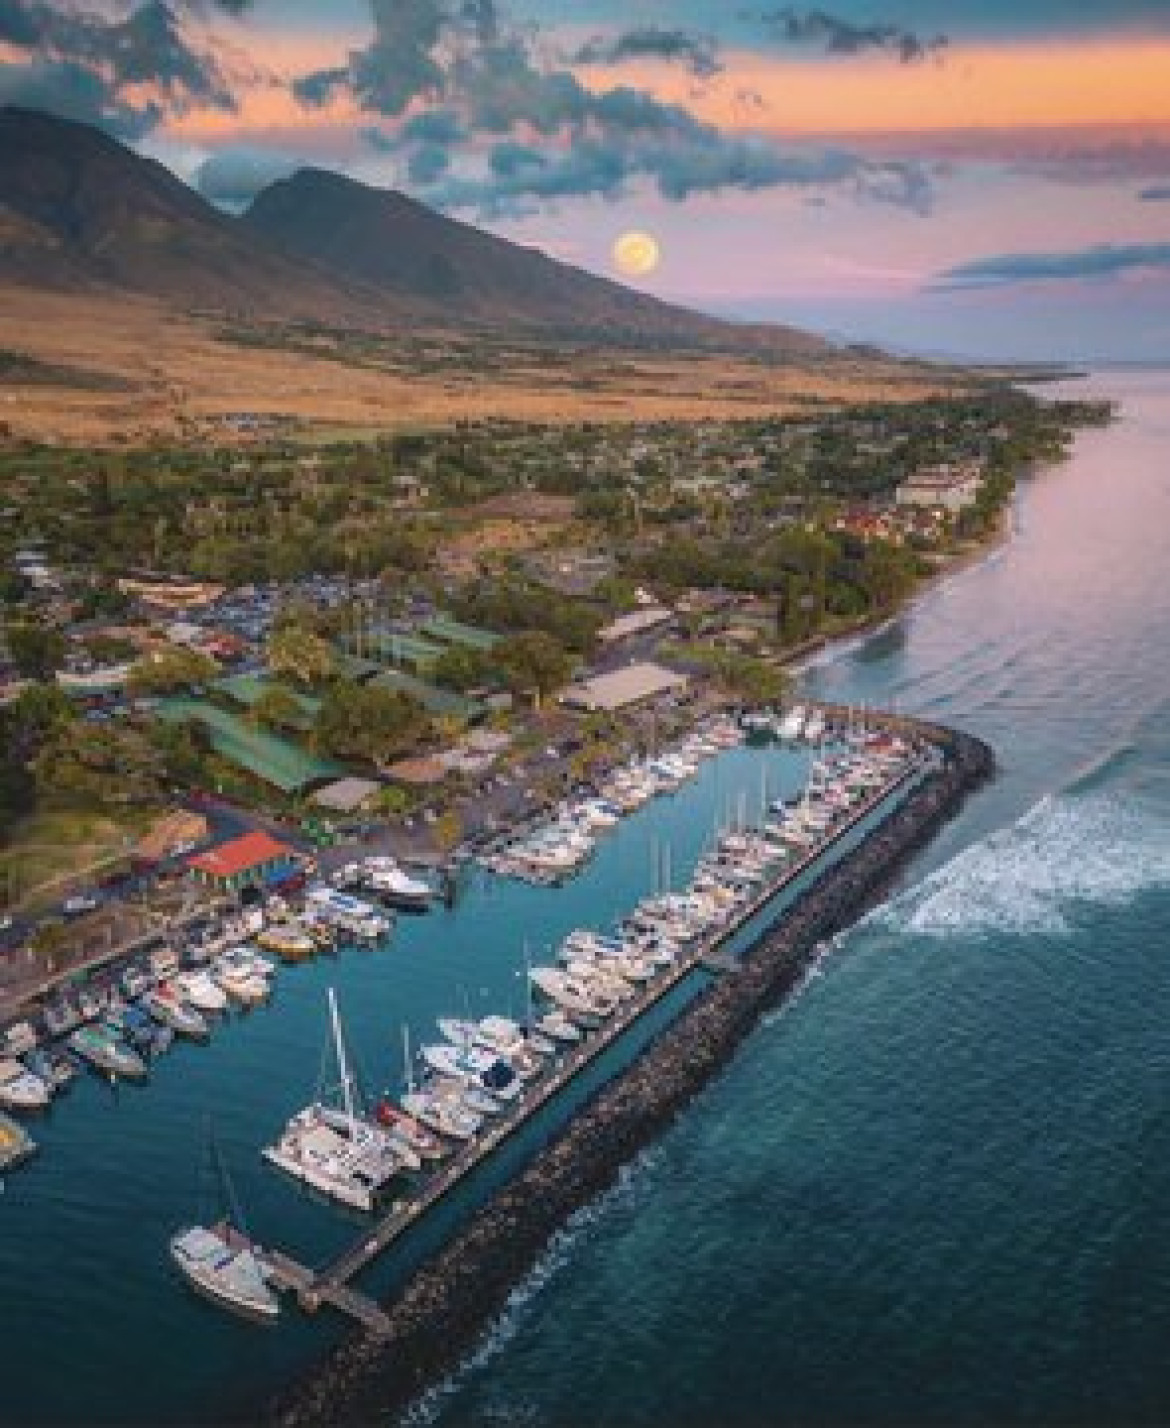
975,177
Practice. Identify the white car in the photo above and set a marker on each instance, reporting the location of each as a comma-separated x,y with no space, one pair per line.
5,923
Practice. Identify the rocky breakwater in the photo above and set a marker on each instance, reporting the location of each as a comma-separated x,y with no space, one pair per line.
445,1307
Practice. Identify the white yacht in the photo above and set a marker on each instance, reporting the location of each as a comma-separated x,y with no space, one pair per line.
224,1268
582,1002
220,1262
513,1050
387,880
202,991
479,1069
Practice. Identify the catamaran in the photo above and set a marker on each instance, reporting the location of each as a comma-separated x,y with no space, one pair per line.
336,1150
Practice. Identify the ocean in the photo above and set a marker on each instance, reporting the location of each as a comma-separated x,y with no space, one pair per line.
934,1187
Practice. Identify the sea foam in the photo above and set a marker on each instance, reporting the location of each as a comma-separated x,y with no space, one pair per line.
1030,877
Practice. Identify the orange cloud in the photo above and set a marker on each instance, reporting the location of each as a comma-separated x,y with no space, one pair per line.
977,87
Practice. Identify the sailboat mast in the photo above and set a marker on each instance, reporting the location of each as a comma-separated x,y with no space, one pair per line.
342,1064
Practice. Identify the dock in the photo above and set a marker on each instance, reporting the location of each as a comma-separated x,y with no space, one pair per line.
332,1283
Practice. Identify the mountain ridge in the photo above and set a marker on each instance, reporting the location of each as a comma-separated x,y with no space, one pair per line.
79,210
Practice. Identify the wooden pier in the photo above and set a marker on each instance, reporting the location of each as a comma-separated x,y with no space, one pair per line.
331,1284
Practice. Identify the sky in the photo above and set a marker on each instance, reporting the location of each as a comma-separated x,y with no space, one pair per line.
986,178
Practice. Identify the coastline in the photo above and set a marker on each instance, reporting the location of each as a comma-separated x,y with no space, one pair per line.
446,1304
797,659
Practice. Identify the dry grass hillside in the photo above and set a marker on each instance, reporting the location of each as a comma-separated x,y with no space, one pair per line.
86,368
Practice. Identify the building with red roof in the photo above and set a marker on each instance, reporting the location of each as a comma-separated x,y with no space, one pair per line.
250,861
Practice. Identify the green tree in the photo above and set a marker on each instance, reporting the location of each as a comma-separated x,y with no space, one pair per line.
37,651
534,664
277,707
460,667
367,724
172,669
101,763
296,653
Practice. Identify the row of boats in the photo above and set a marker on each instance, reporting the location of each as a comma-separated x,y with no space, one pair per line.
559,847
118,1023
477,1073
478,1070
792,726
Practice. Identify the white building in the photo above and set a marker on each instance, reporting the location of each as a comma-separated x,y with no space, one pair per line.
951,488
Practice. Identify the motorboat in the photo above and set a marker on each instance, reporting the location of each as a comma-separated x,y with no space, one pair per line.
391,884
237,975
445,1115
513,1050
168,1007
20,1089
289,942
202,991
557,1028
101,1048
582,1002
410,1129
56,1069
483,1070
150,1038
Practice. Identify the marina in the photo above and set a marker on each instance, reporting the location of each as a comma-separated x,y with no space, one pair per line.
332,1284
417,969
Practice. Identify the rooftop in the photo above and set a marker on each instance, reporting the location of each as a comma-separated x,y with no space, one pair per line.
241,855
623,687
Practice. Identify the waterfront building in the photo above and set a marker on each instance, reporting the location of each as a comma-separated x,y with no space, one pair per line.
623,688
950,487
253,861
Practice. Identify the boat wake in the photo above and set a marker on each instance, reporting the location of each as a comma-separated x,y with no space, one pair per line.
1028,878
522,1301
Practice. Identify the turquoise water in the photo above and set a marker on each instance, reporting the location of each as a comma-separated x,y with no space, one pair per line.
84,1227
936,1187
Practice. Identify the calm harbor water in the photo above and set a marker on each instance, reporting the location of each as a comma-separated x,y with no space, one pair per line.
94,1325
934,1188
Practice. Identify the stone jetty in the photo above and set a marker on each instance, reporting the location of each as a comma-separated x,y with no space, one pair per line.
443,1309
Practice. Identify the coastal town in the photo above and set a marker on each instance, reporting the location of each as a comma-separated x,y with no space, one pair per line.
474,646
298,700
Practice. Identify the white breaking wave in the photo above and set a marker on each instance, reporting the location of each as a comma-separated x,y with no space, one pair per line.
1029,877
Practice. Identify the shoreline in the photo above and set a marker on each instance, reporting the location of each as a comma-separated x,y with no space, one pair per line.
799,658
445,1305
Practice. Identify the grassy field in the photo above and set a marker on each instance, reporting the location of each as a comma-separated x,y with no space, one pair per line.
149,372
59,847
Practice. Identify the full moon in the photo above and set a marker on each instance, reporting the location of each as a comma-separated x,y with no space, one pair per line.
635,254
